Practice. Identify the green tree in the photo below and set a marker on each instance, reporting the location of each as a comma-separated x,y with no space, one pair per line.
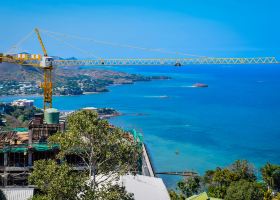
242,169
2,195
106,151
175,196
276,179
189,187
217,181
107,192
277,197
244,190
221,179
267,195
56,181
271,176
186,188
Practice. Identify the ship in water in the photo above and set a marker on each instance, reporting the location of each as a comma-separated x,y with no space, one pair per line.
200,85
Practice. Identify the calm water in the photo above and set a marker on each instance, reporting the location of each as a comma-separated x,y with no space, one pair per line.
237,117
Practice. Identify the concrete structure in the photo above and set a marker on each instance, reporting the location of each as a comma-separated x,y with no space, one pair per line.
19,150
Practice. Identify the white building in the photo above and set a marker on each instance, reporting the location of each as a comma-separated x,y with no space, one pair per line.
23,103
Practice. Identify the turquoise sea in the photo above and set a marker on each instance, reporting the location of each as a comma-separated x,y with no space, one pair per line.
185,128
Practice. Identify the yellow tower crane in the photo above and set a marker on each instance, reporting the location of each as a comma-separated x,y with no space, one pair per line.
47,66
44,62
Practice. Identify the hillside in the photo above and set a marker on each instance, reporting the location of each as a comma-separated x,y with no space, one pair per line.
24,80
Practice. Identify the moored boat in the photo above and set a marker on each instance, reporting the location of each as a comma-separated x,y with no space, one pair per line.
200,85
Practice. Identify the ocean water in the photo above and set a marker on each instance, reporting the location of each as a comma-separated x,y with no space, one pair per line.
185,128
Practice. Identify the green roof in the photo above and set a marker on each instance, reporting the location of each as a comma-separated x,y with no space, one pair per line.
24,148
20,129
202,196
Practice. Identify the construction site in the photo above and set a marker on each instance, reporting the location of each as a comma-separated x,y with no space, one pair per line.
19,149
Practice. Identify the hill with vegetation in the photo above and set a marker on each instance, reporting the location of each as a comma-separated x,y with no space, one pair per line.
24,80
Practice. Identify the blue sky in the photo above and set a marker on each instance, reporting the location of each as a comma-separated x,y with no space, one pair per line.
200,27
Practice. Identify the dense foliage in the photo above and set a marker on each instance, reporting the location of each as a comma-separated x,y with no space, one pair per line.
271,175
17,116
56,181
236,182
106,154
186,188
217,181
245,190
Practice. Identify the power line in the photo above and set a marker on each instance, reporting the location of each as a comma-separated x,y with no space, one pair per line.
17,46
73,47
121,45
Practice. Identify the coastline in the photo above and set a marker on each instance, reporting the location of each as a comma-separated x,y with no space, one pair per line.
84,93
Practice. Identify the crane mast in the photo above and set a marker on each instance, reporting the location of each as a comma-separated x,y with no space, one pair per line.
47,66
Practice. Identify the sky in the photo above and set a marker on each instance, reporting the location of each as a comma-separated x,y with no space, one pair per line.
163,28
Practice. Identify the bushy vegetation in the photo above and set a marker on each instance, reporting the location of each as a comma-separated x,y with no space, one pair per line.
17,116
236,182
106,154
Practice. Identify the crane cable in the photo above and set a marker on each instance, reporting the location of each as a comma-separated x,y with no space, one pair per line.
17,46
72,46
121,45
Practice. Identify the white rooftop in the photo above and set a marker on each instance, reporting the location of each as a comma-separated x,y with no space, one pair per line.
145,187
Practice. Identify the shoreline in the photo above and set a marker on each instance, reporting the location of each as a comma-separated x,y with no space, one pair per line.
84,93
131,82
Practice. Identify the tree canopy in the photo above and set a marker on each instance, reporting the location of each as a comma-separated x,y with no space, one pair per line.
56,181
186,188
245,190
235,182
271,176
106,152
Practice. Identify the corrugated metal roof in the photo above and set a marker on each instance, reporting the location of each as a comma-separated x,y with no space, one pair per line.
18,193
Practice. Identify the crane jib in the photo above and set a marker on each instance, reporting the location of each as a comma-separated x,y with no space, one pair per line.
46,63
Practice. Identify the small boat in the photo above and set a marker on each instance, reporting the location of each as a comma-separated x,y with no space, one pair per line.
200,85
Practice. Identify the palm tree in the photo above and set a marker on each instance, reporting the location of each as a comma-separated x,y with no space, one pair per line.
267,174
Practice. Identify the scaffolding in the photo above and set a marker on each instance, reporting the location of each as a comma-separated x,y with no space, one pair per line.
19,150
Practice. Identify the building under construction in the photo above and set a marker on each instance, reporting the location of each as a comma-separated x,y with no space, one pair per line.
20,148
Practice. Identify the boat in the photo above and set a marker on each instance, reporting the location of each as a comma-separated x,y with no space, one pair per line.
200,85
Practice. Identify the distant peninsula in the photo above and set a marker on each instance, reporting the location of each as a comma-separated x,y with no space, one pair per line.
24,80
